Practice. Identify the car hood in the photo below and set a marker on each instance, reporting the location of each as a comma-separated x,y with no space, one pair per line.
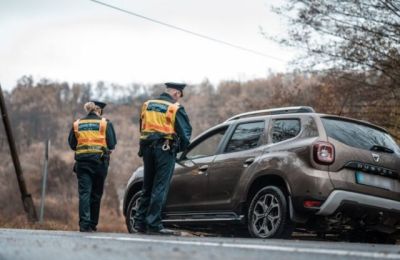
137,174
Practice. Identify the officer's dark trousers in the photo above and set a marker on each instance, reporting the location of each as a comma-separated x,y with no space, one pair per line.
91,179
158,170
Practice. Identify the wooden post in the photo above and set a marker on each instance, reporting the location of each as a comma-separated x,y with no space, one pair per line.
26,197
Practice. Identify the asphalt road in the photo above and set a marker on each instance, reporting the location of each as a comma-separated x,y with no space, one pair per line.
43,245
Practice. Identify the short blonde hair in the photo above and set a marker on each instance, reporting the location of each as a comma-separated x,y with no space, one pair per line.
91,107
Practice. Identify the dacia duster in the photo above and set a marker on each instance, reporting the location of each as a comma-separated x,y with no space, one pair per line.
279,169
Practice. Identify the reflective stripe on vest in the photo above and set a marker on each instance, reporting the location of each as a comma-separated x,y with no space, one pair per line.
158,116
90,135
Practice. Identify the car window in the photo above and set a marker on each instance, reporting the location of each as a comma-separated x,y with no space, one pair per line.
283,129
208,146
358,135
246,136
310,128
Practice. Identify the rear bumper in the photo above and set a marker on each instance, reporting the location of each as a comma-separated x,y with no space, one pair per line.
340,197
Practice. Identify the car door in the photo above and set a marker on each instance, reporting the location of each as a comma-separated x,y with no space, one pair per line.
188,188
238,154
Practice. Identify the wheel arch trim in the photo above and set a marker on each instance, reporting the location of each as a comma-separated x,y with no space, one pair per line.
130,191
277,175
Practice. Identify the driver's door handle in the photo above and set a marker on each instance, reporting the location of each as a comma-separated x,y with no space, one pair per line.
248,162
203,169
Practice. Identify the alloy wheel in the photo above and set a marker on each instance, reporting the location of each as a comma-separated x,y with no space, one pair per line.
133,207
266,215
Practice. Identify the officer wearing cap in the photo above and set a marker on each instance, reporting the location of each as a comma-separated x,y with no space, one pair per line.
92,138
165,130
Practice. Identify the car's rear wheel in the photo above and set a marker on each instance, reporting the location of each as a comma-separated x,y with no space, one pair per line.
132,208
268,215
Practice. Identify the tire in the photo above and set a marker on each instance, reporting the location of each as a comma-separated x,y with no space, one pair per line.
132,208
268,215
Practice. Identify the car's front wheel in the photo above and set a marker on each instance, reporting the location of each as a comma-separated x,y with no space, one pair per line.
132,208
268,215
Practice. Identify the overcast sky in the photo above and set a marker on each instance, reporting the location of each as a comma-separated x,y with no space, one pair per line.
81,41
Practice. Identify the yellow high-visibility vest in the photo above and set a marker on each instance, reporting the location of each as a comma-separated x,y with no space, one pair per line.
91,136
158,116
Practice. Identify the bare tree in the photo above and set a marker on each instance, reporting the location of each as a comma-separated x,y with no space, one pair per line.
350,35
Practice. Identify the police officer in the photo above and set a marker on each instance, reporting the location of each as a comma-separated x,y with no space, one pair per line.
165,130
92,138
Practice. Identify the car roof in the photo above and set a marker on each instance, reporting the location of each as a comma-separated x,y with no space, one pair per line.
293,111
273,111
348,119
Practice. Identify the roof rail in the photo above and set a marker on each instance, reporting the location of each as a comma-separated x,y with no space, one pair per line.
274,111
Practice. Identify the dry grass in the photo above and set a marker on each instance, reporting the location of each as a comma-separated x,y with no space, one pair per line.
21,222
109,222
61,204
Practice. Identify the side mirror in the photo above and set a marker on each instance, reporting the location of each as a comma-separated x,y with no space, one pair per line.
183,161
178,156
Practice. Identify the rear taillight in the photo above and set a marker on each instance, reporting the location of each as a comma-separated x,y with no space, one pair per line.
324,152
312,203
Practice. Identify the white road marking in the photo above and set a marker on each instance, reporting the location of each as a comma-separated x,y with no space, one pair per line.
288,249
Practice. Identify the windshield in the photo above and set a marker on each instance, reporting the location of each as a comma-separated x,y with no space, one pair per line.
359,135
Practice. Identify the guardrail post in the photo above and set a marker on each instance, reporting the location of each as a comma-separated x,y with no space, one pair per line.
44,180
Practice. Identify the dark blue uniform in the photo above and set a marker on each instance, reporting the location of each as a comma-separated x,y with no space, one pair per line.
158,169
91,171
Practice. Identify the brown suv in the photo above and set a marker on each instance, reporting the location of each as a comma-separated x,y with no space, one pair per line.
277,169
